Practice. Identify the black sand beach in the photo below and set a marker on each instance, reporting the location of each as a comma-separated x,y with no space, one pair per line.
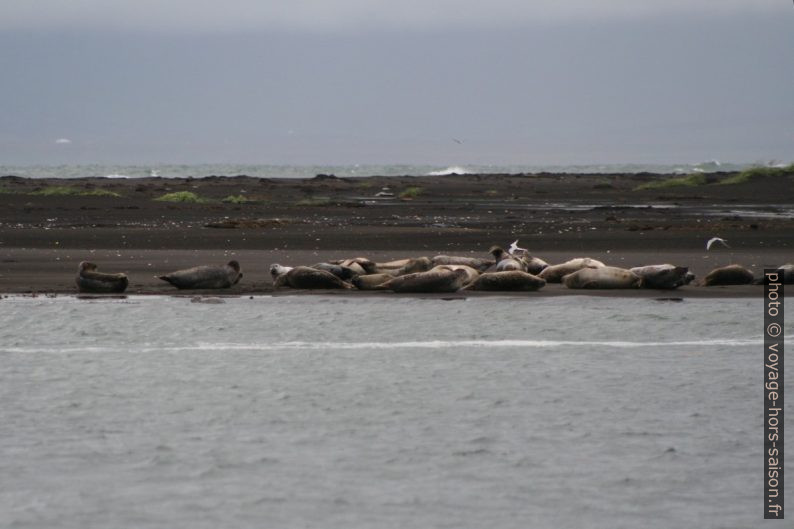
45,232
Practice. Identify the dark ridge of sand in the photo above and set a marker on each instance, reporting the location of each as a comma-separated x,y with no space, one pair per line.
556,216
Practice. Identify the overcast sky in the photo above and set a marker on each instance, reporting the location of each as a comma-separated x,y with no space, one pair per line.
354,81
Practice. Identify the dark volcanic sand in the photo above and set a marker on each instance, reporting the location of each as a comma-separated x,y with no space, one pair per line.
43,238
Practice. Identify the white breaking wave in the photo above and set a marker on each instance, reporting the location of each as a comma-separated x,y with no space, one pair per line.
429,344
117,176
455,169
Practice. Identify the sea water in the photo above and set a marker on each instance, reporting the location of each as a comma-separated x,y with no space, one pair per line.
341,412
353,170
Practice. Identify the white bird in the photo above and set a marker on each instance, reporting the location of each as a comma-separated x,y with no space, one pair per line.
514,248
715,240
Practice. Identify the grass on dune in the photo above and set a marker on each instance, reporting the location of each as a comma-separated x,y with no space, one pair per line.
187,197
692,180
698,179
757,172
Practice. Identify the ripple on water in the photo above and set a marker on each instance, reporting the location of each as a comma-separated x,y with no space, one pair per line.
286,411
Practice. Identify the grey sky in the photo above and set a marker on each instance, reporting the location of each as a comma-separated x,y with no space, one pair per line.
346,15
385,82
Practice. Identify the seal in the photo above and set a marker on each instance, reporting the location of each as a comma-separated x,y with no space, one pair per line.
361,265
728,275
345,273
663,276
391,265
555,273
277,270
481,265
534,265
505,261
513,281
89,280
471,273
370,281
602,277
787,273
435,280
420,264
201,277
305,277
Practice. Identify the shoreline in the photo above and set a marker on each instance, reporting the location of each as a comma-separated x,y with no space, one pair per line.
208,296
118,224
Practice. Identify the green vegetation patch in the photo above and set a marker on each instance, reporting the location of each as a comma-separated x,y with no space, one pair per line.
182,196
757,172
55,191
692,180
411,192
315,201
236,199
100,193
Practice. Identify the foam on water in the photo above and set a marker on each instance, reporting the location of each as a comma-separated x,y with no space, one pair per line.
455,169
430,344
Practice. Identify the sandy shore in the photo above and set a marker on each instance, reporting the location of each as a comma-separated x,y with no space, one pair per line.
43,237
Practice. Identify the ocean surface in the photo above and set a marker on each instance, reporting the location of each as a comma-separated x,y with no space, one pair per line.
309,171
310,411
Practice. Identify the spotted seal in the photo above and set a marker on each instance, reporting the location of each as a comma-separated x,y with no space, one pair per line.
441,280
89,280
663,276
361,265
513,280
602,277
479,264
345,273
534,265
555,273
505,261
205,277
371,281
471,273
787,273
305,277
728,275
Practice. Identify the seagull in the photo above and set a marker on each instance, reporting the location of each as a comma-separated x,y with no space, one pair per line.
714,240
514,248
456,140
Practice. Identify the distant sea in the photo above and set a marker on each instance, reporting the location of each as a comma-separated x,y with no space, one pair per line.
309,171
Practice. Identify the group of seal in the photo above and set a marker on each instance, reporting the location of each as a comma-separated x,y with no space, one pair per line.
439,274
508,271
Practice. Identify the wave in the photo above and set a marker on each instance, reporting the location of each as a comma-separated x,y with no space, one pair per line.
429,344
455,169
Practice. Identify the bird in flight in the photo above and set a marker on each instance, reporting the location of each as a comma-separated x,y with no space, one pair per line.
456,140
514,248
714,240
